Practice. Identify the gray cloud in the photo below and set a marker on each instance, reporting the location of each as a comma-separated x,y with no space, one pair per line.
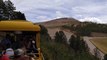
42,10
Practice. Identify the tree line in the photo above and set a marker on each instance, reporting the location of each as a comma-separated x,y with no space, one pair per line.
7,11
76,42
59,48
85,28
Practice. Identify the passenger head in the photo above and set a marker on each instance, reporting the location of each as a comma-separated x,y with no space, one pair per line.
10,52
18,52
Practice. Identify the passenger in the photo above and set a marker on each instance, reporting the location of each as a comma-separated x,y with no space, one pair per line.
25,41
32,46
6,42
19,55
17,45
10,52
2,47
12,40
3,56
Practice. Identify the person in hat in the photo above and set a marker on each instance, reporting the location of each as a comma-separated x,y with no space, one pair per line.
10,52
3,56
19,55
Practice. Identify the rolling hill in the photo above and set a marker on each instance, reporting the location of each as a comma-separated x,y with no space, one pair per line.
56,24
59,22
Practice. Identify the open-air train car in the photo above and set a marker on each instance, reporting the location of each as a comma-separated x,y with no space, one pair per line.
23,28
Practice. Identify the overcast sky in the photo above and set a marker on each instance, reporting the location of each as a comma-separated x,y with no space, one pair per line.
43,10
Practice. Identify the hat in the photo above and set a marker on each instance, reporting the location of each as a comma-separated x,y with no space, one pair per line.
10,52
19,52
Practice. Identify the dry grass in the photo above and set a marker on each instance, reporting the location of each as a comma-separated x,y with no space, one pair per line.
100,43
98,34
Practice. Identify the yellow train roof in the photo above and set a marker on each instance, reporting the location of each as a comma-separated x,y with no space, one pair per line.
18,26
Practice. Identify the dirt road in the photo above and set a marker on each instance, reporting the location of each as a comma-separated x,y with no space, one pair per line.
92,48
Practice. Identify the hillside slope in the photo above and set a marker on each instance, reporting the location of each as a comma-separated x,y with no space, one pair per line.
70,23
59,22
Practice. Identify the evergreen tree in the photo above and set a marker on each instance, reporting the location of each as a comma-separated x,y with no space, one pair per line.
72,41
19,16
83,46
57,37
1,3
43,30
60,37
44,33
63,37
7,11
78,44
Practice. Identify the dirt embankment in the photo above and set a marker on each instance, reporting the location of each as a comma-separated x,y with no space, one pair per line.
52,32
